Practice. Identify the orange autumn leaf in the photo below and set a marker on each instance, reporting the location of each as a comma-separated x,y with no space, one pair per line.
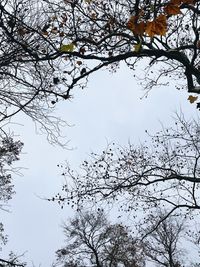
161,25
135,27
157,26
172,9
131,22
150,28
140,28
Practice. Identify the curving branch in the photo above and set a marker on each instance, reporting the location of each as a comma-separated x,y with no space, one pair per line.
163,171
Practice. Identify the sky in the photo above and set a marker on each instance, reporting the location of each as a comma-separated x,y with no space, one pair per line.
111,108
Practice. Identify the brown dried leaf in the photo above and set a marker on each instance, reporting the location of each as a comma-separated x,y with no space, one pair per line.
192,98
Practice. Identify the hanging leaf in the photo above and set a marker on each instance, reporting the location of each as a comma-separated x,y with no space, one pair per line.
140,28
131,23
54,30
45,33
67,48
161,25
172,9
138,47
22,31
157,26
82,50
61,34
150,28
79,62
192,98
135,27
198,44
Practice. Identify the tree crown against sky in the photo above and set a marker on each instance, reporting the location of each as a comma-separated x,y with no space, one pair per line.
163,171
100,34
163,246
49,48
91,240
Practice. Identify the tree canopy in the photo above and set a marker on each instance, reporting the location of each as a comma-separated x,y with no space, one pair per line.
163,246
49,47
100,34
93,241
9,153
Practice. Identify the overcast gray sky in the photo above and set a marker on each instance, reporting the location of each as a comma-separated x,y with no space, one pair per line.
109,109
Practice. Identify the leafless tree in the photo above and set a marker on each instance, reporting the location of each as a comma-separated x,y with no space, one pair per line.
163,171
92,241
31,65
165,245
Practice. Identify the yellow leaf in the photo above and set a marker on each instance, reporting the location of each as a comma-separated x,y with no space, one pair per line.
67,48
138,47
192,98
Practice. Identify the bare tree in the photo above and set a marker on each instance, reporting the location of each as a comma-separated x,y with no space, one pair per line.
164,171
92,241
31,65
165,244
